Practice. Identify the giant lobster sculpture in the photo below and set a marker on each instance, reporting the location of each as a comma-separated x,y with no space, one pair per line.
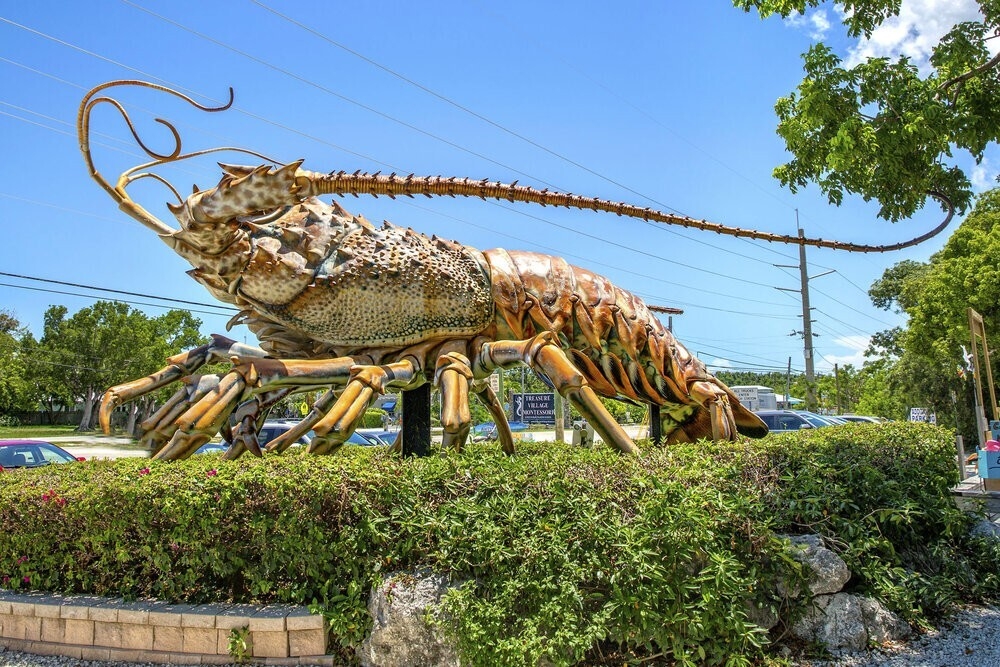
342,306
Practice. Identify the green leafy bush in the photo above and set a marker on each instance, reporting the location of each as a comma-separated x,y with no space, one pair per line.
373,418
559,554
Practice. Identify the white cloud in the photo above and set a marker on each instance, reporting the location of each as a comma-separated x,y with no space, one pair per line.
855,347
983,176
915,31
816,22
720,363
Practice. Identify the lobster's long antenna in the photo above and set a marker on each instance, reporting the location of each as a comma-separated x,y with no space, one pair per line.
342,183
392,185
118,191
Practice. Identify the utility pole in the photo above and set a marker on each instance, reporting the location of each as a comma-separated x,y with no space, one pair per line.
807,333
836,377
788,385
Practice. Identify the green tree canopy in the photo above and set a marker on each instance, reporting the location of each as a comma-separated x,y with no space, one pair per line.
884,129
14,385
936,295
107,344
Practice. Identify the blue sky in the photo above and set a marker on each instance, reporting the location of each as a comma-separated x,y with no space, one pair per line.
666,104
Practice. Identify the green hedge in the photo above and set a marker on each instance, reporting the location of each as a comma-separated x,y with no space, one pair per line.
565,554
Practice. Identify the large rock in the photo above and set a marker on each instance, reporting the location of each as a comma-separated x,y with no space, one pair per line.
402,636
882,625
829,571
849,622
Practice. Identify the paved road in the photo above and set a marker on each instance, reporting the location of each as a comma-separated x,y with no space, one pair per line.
99,446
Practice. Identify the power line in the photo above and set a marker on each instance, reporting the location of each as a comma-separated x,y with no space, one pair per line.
115,291
410,126
90,296
329,91
594,237
507,130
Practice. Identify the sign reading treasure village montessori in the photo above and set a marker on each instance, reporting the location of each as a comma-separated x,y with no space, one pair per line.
534,408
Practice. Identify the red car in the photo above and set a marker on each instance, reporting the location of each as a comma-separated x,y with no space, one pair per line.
32,454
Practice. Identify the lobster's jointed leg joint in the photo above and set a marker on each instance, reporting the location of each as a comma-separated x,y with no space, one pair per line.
209,401
364,385
542,353
248,418
454,375
489,398
179,366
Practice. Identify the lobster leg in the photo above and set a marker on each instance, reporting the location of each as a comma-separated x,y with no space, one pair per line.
544,355
249,418
366,382
316,412
492,403
453,376
160,427
203,419
180,365
206,410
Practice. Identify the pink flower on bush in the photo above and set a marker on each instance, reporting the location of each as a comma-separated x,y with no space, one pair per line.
52,496
211,473
22,560
26,579
5,580
144,471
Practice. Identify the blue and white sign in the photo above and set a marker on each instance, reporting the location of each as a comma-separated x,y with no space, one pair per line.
534,408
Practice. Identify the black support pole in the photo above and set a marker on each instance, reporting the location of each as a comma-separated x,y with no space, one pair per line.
417,421
655,434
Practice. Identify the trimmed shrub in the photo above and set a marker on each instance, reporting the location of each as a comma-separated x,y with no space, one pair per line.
564,552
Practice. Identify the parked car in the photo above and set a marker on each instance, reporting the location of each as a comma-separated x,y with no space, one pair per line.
272,428
212,448
32,454
381,436
835,420
827,420
485,429
367,438
784,421
863,418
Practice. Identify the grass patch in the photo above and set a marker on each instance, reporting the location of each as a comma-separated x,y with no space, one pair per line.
560,553
14,432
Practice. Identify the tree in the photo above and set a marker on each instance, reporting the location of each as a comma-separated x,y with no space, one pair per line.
936,296
884,129
107,344
14,386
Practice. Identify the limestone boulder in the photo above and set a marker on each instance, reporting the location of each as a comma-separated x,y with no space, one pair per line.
402,636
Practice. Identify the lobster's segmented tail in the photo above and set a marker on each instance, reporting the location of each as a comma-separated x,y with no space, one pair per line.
393,185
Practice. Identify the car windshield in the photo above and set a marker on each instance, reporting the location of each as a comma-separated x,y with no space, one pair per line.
815,420
32,455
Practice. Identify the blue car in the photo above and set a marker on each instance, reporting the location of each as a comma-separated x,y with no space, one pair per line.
489,428
483,429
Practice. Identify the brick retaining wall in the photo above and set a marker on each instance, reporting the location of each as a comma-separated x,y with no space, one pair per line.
96,628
